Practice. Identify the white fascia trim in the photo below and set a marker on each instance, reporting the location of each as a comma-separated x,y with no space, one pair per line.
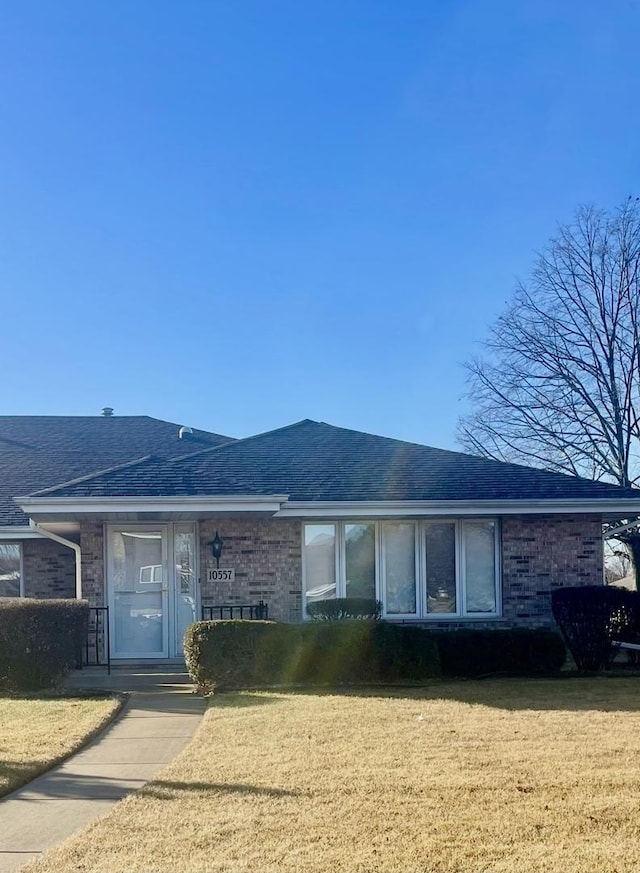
105,505
456,508
19,532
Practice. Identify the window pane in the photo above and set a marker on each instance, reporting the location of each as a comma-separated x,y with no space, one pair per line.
9,570
480,566
360,552
400,568
320,561
441,567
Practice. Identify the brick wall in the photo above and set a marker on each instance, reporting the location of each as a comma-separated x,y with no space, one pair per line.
267,557
540,553
265,553
49,569
92,546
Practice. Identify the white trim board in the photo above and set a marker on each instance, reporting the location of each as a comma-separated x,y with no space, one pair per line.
455,508
279,506
268,503
19,532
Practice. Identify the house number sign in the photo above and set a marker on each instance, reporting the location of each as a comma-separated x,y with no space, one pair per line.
220,575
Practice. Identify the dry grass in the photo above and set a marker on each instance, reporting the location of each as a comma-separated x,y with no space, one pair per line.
35,733
510,776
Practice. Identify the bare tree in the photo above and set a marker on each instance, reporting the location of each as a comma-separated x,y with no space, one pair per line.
558,386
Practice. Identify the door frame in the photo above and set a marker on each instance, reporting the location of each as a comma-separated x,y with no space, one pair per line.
172,647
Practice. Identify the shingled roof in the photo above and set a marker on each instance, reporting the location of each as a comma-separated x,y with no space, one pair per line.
312,461
38,451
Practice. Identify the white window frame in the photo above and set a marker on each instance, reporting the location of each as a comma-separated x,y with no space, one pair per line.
21,586
420,546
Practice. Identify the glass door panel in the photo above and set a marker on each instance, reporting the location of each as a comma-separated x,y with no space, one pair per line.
138,587
184,547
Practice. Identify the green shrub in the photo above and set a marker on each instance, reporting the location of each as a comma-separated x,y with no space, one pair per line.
591,616
341,608
469,653
39,641
249,654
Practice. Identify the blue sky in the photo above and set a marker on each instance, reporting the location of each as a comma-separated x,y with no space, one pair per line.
235,215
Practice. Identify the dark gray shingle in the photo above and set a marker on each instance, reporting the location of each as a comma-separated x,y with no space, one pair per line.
38,451
312,461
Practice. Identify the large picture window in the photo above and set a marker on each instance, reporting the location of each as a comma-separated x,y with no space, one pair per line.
10,569
435,569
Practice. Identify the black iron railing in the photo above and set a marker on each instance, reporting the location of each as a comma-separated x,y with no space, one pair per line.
97,650
251,611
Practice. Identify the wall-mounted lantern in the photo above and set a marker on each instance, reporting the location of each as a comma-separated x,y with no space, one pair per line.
216,548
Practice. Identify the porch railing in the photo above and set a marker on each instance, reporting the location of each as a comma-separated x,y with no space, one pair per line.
220,611
97,649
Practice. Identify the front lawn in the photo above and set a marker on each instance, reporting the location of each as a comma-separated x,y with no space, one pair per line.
500,775
36,732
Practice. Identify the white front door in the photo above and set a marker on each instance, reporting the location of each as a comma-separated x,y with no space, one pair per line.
152,591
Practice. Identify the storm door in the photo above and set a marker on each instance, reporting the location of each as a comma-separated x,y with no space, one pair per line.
138,583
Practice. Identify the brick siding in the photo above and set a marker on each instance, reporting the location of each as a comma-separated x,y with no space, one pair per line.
49,569
267,557
92,546
540,553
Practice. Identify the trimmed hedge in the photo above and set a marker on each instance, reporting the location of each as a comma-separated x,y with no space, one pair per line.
341,608
222,655
39,641
472,653
247,654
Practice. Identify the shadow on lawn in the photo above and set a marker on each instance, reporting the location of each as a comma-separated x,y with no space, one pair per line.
162,789
244,699
562,694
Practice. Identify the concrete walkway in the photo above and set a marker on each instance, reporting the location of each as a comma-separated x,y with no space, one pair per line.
157,723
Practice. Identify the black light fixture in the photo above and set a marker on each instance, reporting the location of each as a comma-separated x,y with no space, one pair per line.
216,548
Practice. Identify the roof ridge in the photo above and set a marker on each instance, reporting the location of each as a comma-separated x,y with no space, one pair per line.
391,439
89,476
467,455
235,441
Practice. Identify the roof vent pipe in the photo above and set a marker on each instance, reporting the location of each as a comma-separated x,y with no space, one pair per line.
107,411
184,431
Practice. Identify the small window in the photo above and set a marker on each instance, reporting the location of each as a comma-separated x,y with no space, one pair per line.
480,566
440,567
360,560
10,569
150,574
400,568
320,562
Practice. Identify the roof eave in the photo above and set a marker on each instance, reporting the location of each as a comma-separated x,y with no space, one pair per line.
279,506
611,507
52,507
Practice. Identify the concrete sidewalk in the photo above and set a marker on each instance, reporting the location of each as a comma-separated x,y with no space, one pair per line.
157,723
